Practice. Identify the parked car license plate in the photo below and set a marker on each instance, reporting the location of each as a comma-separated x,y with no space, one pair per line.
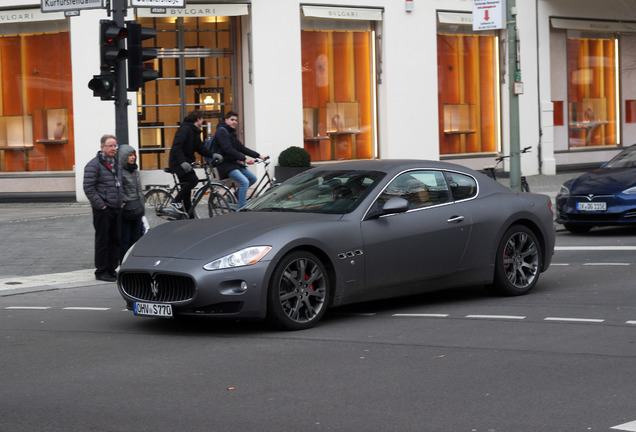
152,309
591,206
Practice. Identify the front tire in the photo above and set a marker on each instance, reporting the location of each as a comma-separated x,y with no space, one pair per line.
577,229
298,292
517,263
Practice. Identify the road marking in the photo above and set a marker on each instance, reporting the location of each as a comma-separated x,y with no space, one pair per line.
591,320
421,315
86,308
630,322
27,307
631,426
595,248
606,264
496,316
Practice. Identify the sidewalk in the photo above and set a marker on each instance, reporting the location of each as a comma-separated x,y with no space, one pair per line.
50,245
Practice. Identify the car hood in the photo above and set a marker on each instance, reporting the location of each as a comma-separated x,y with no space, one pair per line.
211,238
603,181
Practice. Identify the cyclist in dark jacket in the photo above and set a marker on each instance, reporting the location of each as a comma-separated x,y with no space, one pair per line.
186,141
102,186
226,142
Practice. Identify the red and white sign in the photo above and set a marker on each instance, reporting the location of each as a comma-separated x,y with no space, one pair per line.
489,14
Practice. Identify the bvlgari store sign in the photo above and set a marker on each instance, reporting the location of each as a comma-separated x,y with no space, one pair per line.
348,13
196,10
27,15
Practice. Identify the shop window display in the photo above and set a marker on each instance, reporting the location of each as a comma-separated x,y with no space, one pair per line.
467,91
338,80
36,109
592,91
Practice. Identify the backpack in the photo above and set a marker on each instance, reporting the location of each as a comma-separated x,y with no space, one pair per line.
210,145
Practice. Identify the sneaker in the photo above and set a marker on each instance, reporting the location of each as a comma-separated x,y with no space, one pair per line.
175,209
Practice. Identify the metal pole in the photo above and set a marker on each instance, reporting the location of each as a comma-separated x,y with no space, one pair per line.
514,65
121,96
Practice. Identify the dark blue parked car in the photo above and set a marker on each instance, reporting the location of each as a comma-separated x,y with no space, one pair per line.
603,197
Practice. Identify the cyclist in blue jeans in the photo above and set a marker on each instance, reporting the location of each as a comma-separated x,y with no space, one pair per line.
234,153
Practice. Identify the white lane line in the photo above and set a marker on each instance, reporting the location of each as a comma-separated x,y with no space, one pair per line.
630,322
590,320
86,308
421,315
631,426
497,317
595,248
27,308
606,264
560,264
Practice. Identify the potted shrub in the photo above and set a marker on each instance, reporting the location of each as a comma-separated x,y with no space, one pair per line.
291,161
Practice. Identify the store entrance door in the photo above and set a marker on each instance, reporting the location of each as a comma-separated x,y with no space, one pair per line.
196,63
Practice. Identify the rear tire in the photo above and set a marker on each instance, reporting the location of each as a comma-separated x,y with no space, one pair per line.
156,201
517,263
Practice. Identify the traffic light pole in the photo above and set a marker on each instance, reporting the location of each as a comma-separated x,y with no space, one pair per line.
121,96
514,75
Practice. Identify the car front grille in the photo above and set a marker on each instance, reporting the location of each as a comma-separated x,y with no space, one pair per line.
158,287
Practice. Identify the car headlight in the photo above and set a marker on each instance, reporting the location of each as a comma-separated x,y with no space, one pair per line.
244,257
564,192
630,191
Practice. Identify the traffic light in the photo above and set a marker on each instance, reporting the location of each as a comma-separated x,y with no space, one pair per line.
137,55
103,85
112,52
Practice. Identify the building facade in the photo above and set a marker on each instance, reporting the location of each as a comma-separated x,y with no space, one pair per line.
363,79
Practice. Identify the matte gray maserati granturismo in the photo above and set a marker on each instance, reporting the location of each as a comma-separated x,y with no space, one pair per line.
342,233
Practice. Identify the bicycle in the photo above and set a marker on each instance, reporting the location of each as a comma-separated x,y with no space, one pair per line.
229,191
490,171
207,201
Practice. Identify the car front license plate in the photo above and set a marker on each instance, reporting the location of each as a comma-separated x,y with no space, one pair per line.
152,309
591,206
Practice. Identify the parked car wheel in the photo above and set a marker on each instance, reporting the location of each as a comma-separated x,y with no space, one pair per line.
577,229
298,292
518,262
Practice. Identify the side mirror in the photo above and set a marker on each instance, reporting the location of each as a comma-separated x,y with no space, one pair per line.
392,206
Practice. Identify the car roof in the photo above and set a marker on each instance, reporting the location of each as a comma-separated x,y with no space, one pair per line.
393,165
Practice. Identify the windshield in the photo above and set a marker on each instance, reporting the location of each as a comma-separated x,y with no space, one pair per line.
319,191
626,159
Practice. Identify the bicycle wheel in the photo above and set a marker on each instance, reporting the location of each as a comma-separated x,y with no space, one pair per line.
209,203
156,201
227,193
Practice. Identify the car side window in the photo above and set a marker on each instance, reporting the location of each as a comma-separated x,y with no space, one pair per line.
419,188
461,186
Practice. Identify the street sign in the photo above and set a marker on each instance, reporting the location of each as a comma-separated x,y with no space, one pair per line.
69,5
489,14
158,3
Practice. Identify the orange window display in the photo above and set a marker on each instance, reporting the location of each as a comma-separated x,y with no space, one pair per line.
467,97
338,104
36,110
592,91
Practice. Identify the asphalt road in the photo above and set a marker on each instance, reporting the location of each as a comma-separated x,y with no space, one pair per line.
559,359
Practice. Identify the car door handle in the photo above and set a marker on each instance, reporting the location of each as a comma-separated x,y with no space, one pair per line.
455,219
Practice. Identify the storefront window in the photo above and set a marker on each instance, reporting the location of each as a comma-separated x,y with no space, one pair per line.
592,90
194,61
36,109
467,86
338,94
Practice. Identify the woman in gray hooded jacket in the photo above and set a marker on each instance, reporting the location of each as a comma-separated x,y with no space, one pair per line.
131,229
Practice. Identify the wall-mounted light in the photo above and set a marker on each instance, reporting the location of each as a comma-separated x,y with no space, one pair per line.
409,5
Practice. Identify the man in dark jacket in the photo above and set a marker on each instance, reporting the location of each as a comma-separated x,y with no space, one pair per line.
186,141
226,142
102,186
